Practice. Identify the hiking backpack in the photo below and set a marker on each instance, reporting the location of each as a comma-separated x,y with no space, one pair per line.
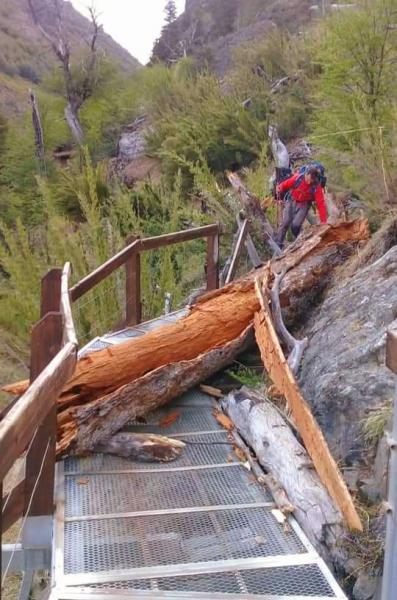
319,167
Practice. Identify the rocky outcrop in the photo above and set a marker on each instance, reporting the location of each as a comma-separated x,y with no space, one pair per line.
132,164
343,371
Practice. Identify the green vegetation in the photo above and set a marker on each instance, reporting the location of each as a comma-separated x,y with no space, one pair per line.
374,427
198,129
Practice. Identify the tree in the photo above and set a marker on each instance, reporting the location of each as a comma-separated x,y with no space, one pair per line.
79,85
170,12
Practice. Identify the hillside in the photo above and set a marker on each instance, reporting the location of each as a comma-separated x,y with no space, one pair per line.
211,29
26,58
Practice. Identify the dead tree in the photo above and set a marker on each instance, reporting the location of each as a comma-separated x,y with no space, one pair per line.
38,133
77,89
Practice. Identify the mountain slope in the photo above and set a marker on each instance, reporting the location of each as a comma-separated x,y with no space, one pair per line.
211,29
26,57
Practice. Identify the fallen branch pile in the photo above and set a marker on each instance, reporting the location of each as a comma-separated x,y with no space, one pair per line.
113,386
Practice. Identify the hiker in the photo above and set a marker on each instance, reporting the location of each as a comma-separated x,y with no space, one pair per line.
300,191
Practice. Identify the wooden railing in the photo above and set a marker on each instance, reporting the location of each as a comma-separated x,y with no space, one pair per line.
29,428
130,258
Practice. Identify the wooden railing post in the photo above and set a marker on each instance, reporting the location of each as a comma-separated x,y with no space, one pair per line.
1,531
46,341
213,261
133,306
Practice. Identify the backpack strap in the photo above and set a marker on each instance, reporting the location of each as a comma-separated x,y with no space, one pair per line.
299,181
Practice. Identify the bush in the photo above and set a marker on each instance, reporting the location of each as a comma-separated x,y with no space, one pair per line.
28,72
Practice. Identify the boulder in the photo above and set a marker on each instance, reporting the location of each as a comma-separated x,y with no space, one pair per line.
343,370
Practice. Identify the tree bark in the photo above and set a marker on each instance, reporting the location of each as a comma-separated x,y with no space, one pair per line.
283,457
82,428
73,121
145,447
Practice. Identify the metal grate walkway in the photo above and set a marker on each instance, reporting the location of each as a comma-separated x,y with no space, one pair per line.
200,527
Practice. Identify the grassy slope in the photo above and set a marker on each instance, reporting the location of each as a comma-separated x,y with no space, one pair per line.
23,50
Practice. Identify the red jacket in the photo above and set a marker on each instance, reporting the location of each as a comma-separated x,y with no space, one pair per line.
303,193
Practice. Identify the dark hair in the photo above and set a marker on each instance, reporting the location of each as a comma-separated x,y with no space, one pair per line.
314,173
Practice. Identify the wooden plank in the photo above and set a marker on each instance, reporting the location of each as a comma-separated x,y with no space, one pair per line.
1,531
133,305
213,262
19,425
45,342
51,292
152,243
243,232
13,503
391,351
249,244
69,332
312,436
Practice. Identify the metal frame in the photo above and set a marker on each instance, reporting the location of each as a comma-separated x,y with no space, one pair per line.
187,569
79,593
150,471
73,586
389,582
170,511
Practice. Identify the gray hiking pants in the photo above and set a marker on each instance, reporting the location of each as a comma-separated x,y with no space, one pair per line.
294,215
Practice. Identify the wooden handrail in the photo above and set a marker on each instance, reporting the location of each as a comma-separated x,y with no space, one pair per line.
66,309
19,425
140,245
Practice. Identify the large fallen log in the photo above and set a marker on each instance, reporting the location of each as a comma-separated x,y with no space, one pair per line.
217,318
280,454
279,371
82,428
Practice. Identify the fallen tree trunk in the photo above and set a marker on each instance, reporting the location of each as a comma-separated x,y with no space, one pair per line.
145,447
282,456
216,319
279,371
82,428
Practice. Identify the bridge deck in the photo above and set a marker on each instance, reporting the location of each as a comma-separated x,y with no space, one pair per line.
200,527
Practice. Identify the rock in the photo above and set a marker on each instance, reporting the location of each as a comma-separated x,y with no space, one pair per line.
132,143
366,587
132,163
369,491
343,370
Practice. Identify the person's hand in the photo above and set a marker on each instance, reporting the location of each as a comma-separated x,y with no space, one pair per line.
278,190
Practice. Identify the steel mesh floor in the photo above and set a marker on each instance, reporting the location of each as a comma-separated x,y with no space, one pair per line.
175,539
187,420
113,493
220,517
275,582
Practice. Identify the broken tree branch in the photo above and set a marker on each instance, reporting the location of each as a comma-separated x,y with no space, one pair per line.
146,447
296,347
237,251
254,211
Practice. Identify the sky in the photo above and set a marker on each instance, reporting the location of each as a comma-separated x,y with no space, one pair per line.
134,24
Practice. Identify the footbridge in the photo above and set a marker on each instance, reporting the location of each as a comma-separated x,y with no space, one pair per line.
109,528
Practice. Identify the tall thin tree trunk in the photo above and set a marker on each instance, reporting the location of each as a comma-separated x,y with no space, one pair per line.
73,121
38,133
